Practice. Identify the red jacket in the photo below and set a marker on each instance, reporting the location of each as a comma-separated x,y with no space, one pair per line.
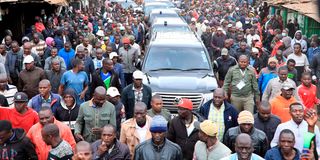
308,95
18,120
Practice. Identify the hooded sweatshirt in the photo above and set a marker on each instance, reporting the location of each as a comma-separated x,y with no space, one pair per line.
18,147
66,115
303,43
18,120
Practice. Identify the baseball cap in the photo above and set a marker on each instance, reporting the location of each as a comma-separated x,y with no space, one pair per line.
20,97
245,117
224,52
106,38
255,50
256,38
100,33
219,29
113,54
287,86
126,40
208,127
137,74
122,28
28,59
25,38
185,103
113,92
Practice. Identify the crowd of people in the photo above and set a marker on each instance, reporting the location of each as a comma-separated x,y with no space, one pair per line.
72,88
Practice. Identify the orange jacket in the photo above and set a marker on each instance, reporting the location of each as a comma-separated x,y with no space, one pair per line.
42,148
24,121
129,135
280,107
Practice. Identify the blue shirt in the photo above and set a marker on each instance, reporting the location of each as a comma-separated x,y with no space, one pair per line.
67,56
75,81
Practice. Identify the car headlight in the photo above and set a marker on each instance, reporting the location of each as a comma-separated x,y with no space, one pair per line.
207,97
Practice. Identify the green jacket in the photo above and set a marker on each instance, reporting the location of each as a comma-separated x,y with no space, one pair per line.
234,77
91,117
164,112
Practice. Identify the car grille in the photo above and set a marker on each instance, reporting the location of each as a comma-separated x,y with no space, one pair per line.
170,104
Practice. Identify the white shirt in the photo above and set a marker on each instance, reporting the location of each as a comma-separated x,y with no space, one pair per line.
300,60
298,131
191,127
142,132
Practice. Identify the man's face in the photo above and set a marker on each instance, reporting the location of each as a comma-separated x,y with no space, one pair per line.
36,38
106,41
157,104
296,113
286,142
244,150
2,49
283,75
99,100
8,40
15,47
287,94
202,136
68,99
107,66
84,152
80,54
272,64
44,89
264,113
20,106
55,66
243,62
4,136
291,66
158,137
46,138
54,53
218,99
140,115
137,83
27,49
29,66
67,47
85,41
306,80
243,46
99,55
3,84
183,112
246,127
45,117
108,136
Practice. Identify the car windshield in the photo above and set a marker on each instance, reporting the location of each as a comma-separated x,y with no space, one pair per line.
157,15
176,58
170,29
151,7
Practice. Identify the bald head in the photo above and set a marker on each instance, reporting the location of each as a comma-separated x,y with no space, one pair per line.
44,82
100,91
140,106
51,130
219,91
243,138
243,57
83,146
107,61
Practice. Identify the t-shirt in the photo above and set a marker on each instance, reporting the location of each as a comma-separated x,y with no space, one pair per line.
300,60
61,152
74,80
106,78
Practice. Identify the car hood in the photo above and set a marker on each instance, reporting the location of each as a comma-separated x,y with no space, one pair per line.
191,82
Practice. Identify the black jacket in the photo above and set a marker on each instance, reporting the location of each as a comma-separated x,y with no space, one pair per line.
119,151
18,147
128,98
147,151
178,134
97,80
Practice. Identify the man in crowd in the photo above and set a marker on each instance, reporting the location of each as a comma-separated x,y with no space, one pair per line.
308,91
61,149
292,71
221,112
83,151
274,86
299,126
117,67
267,73
93,115
14,144
209,146
46,117
106,76
182,130
54,56
244,149
26,52
244,87
265,121
158,147
76,79
137,129
54,75
157,108
30,77
108,147
223,63
7,90
45,97
113,96
285,148
10,63
21,116
135,92
246,121
280,104
67,53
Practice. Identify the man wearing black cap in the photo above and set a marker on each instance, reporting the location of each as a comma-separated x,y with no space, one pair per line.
159,147
20,116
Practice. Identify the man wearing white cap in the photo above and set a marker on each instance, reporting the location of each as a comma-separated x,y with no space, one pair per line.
30,77
223,63
135,92
218,42
113,96
255,62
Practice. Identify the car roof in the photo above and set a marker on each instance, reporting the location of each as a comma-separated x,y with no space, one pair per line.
155,4
164,11
173,38
169,20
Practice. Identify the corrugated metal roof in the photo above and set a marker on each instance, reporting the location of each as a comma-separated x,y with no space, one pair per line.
309,9
58,2
280,2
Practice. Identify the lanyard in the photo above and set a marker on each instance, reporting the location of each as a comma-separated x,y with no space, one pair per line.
242,72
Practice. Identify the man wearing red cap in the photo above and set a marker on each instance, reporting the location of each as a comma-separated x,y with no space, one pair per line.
128,56
182,130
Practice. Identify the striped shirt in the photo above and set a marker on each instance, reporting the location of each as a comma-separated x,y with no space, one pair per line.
217,116
9,93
